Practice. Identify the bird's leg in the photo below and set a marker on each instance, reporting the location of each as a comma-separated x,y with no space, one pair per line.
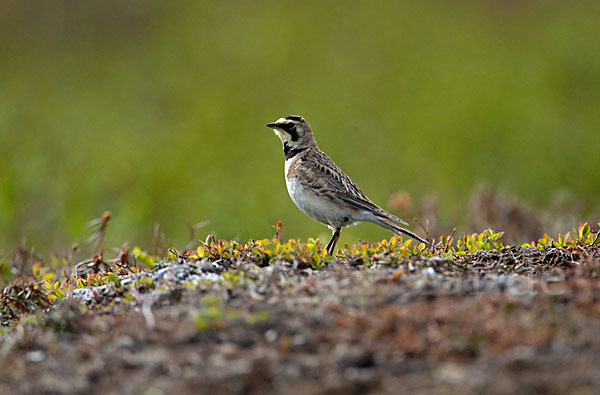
334,238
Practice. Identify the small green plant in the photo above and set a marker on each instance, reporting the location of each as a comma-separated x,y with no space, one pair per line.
143,257
582,236
485,241
37,286
54,291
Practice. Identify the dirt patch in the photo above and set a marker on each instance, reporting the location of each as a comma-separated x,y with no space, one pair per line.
513,320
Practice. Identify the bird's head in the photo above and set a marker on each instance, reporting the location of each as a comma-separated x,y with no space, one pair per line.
293,131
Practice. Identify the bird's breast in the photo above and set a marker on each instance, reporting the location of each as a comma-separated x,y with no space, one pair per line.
317,206
288,162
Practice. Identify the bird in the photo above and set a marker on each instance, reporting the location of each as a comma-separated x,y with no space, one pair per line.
321,190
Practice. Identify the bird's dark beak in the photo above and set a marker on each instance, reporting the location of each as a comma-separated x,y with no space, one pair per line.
272,125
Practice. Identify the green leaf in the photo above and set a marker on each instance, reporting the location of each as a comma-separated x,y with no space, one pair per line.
584,230
114,279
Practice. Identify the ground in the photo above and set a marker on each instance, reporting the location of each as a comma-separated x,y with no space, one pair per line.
513,320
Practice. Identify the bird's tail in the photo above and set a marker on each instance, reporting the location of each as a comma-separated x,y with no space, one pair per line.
390,223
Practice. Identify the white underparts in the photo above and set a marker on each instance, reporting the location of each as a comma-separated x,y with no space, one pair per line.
317,207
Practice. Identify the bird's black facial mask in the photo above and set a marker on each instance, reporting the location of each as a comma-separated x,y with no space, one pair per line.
291,129
287,131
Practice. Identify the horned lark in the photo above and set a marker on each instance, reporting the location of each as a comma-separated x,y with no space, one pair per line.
321,189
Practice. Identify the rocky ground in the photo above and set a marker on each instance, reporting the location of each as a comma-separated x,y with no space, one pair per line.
517,320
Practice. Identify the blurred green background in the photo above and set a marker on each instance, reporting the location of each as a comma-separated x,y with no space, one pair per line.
155,110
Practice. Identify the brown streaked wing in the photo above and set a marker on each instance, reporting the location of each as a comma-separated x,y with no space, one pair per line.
323,174
329,178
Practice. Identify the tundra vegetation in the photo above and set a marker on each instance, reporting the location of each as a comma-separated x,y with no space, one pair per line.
469,313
